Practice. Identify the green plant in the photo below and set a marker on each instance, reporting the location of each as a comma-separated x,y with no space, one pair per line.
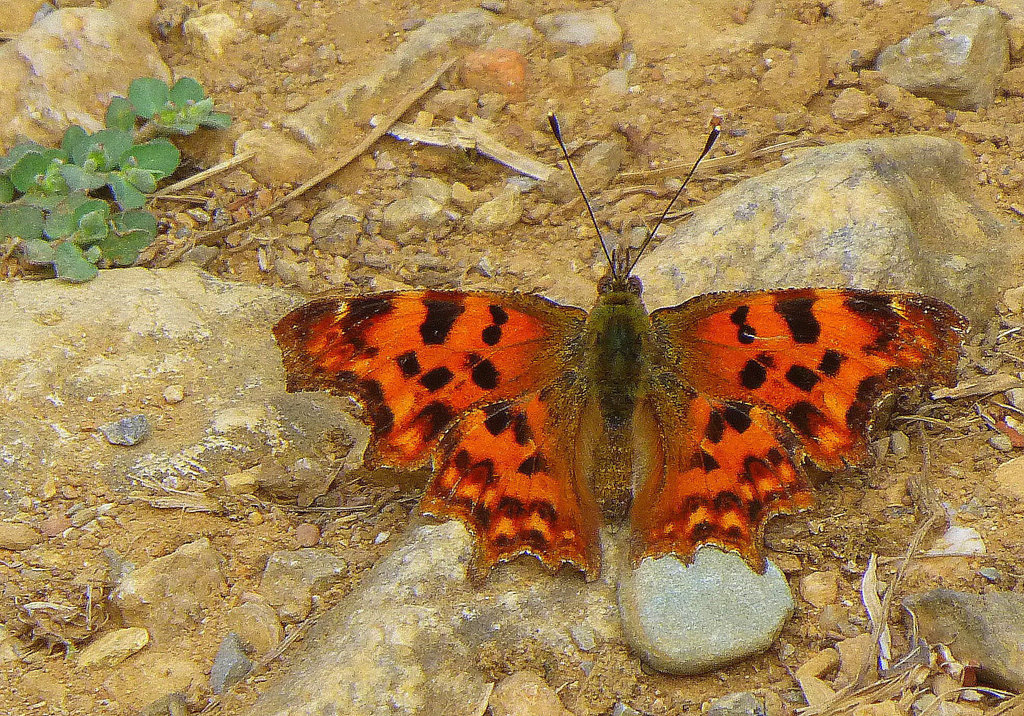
55,201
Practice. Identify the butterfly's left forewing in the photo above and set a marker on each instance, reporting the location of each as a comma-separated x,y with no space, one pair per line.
460,377
766,378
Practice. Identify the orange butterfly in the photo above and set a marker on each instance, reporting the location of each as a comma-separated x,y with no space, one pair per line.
694,419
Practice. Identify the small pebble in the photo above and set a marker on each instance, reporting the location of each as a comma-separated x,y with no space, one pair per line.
307,534
16,536
230,666
126,431
990,573
820,588
54,525
584,636
381,537
1001,442
899,443
174,394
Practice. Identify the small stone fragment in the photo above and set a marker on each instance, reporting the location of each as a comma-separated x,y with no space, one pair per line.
501,212
54,525
126,431
210,35
741,703
174,394
852,105
853,652
820,588
595,31
525,693
245,482
584,636
113,647
279,158
411,212
431,188
256,624
230,666
268,16
448,104
294,273
899,443
291,578
307,534
17,536
958,61
498,70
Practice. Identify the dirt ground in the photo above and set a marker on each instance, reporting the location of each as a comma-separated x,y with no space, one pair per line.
860,512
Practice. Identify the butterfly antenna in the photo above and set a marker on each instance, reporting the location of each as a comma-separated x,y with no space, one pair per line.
557,131
716,129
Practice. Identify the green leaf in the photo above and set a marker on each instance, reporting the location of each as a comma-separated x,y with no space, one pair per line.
92,227
216,120
160,157
37,251
24,222
30,168
127,196
148,95
80,179
62,218
17,152
75,142
71,264
140,179
121,114
93,254
133,231
186,90
6,189
109,146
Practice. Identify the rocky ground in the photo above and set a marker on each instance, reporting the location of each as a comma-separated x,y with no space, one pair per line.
131,548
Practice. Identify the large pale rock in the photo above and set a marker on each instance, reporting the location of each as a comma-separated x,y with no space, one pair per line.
879,213
65,68
73,354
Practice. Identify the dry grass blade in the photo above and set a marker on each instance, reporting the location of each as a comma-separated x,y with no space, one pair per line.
849,700
187,501
204,175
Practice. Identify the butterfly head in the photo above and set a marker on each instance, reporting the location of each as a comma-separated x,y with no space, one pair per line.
618,278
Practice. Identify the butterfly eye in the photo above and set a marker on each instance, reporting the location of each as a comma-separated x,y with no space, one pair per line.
634,286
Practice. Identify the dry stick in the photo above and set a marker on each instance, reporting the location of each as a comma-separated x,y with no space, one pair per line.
205,174
376,133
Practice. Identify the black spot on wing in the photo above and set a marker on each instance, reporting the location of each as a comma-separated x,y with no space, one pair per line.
802,377
806,418
377,410
409,364
485,375
753,375
799,317
434,380
511,507
521,429
498,315
715,427
831,362
859,413
363,309
704,461
745,333
433,418
491,335
532,464
737,415
498,416
441,316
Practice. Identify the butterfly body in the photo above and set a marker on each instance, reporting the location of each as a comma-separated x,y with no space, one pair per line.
694,420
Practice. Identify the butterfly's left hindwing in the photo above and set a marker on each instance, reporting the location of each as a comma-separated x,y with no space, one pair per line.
457,377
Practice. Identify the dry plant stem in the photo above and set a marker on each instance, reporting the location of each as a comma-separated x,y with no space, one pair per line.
1013,707
368,141
715,165
204,175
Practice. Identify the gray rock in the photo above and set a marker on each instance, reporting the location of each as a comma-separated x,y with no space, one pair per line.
501,212
740,703
102,49
513,36
595,31
957,62
694,619
268,16
230,666
257,625
294,273
292,577
407,640
173,591
411,212
883,214
133,332
126,431
985,629
621,709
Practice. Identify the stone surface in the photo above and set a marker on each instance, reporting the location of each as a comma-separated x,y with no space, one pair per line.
411,212
987,630
594,31
820,588
256,625
18,15
501,212
525,693
881,214
148,328
279,158
231,664
693,619
210,35
171,592
17,536
1009,478
408,639
852,105
291,579
740,703
126,431
113,647
498,70
957,61
65,68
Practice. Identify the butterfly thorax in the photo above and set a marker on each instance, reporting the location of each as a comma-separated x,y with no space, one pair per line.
617,330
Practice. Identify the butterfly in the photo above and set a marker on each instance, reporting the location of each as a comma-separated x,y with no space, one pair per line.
542,421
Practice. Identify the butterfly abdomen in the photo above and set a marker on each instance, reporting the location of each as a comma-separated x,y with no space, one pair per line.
617,330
